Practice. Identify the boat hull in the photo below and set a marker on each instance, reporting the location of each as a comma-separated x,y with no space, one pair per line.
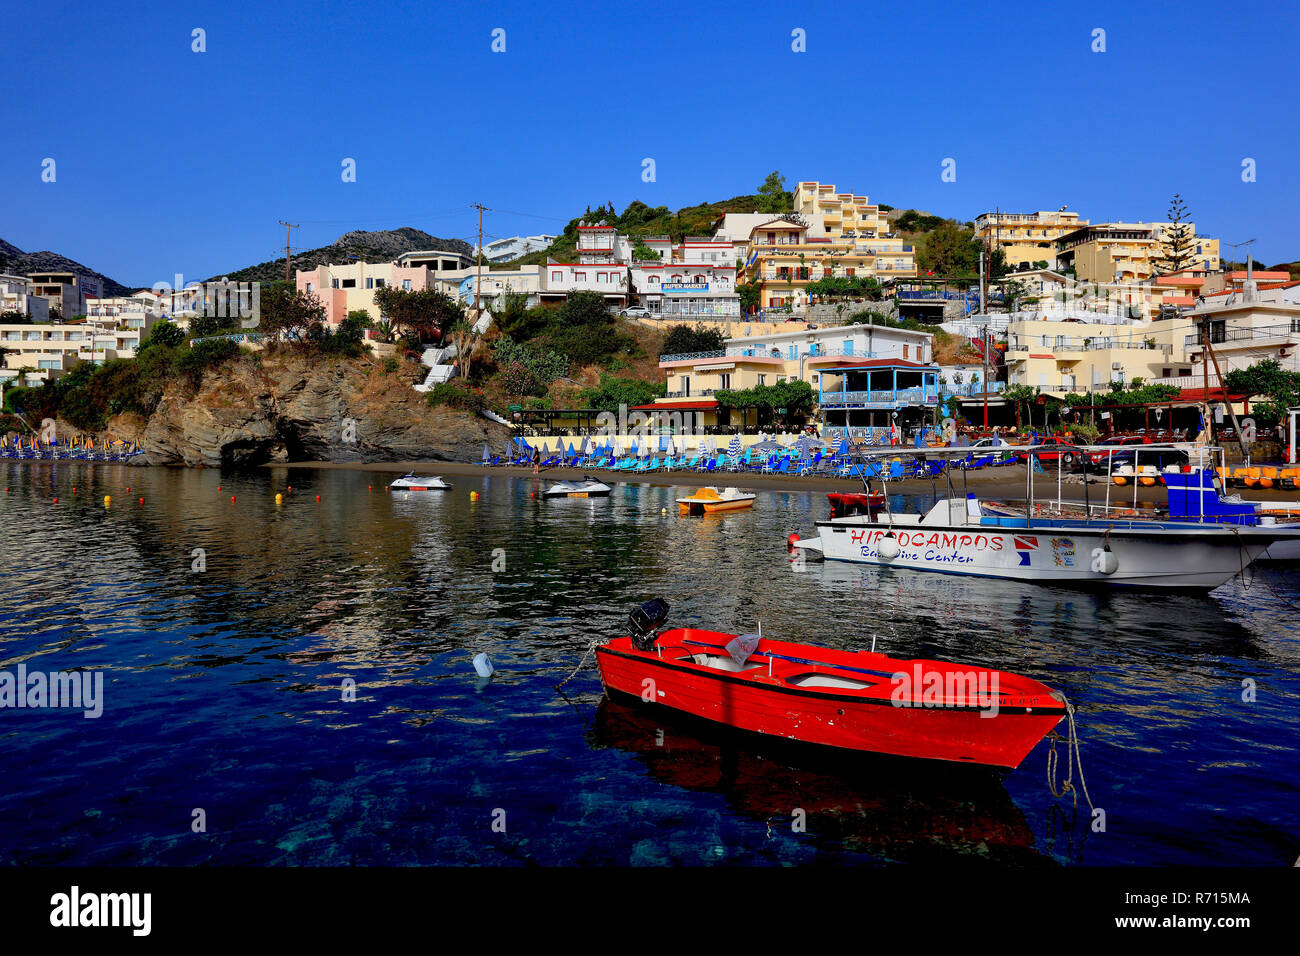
687,507
867,720
1198,559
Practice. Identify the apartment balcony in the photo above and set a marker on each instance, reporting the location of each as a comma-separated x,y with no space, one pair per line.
1276,336
734,352
693,393
884,398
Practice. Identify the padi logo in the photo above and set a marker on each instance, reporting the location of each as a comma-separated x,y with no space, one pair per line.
75,909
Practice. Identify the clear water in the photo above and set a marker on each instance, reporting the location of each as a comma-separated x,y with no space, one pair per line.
224,690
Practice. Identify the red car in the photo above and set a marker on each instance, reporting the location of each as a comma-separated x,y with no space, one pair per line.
1053,449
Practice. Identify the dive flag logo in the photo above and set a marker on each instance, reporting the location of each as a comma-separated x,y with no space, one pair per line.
1024,544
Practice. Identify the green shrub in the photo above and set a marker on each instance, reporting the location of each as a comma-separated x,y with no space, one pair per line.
455,394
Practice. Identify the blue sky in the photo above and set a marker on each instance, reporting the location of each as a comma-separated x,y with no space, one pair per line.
173,161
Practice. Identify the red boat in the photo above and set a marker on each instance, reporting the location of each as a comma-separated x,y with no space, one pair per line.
860,701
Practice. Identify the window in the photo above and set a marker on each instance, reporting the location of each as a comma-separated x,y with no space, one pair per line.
334,283
793,353
762,379
724,380
370,282
309,288
379,283
406,285
557,276
580,277
904,351
349,283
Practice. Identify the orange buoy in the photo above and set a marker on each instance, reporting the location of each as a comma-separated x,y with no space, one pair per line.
218,487
370,487
56,501
1120,479
232,499
141,501
318,497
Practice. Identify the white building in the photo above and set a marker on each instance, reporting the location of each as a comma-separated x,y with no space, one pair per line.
507,250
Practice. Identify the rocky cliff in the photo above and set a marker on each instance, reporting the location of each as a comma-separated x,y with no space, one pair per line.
260,409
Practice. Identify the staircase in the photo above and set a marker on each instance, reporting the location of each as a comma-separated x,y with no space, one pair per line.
440,368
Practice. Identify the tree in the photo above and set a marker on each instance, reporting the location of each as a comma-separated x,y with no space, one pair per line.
288,315
1020,395
1176,243
466,340
630,392
427,314
162,333
776,198
750,296
949,250
683,339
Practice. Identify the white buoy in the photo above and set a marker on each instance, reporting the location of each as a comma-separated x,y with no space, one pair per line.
887,548
1106,562
482,666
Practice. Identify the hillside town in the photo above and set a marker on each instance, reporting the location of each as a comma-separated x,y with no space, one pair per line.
828,293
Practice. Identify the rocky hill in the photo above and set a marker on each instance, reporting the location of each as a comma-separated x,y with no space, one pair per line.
289,407
381,246
16,262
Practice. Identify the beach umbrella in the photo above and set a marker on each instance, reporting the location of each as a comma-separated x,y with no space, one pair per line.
585,442
733,448
486,456
843,448
636,450
571,451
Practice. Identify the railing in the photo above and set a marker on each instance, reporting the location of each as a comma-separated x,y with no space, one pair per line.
972,388
1073,344
932,294
886,396
1241,335
702,393
241,337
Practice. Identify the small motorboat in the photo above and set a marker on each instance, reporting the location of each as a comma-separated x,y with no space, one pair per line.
709,500
860,701
588,487
414,482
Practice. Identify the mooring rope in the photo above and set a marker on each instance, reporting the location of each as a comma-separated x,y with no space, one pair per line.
1072,760
590,647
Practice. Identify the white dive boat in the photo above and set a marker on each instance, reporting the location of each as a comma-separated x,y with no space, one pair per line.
588,487
964,536
414,482
957,536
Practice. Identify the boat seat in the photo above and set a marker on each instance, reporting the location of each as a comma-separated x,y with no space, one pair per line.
830,680
721,662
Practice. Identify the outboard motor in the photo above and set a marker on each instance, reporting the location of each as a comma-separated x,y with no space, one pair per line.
645,620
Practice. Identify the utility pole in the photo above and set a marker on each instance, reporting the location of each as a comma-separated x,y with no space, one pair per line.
1250,263
287,233
985,340
1205,361
478,281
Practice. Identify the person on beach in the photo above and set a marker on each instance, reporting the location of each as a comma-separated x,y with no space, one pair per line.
537,460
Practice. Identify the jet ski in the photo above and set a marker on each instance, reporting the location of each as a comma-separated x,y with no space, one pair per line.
588,487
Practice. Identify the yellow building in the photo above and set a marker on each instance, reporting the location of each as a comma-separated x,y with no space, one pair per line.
1128,251
1059,356
1026,237
783,260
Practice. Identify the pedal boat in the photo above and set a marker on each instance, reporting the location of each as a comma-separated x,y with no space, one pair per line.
863,701
710,500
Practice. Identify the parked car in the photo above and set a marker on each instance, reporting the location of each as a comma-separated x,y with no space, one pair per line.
1054,449
636,312
1118,450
